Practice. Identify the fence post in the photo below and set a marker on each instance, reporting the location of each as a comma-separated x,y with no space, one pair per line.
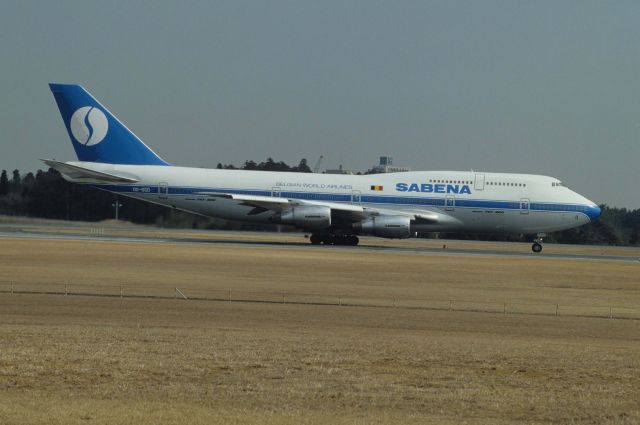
395,302
229,295
283,302
610,312
450,305
11,288
178,291
120,291
340,301
504,311
556,309
66,289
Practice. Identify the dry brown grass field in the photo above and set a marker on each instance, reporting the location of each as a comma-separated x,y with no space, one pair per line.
85,359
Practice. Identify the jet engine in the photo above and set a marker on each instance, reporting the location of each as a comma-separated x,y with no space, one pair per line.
307,217
386,226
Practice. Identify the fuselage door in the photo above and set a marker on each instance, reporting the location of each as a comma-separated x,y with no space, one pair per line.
355,196
276,192
163,190
449,203
524,206
479,184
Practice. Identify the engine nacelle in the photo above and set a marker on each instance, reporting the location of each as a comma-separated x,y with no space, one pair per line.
307,217
386,226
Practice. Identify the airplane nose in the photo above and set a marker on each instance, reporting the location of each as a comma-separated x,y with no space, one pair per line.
593,211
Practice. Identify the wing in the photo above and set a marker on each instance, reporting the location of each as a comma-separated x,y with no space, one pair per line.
346,213
278,204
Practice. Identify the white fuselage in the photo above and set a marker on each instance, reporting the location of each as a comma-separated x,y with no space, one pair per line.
471,201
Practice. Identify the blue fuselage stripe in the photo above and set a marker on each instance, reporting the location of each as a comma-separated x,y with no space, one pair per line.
364,198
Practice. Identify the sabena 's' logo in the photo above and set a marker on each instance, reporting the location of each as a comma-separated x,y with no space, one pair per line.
89,125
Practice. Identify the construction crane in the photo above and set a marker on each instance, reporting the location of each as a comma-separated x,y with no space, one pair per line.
316,167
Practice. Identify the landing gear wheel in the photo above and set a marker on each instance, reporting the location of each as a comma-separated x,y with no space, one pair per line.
537,243
333,239
345,240
329,239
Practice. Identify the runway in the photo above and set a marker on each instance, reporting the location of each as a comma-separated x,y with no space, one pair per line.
298,241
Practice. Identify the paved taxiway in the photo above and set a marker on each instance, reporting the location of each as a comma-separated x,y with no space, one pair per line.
222,238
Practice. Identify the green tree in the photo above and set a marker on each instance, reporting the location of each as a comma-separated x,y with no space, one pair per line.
15,181
250,165
302,167
4,183
27,183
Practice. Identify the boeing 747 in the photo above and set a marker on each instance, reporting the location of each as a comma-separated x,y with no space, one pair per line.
334,208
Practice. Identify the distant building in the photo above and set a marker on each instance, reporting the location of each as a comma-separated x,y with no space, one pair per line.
386,166
340,170
386,160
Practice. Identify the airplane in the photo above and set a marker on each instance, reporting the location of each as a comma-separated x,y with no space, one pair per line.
335,209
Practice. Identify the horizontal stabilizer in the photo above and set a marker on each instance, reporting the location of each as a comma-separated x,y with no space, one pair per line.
78,174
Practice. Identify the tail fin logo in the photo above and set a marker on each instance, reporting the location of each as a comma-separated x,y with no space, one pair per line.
89,125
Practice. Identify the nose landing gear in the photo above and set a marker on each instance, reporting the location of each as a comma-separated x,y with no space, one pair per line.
537,243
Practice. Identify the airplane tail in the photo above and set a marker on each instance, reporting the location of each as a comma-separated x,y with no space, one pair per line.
96,134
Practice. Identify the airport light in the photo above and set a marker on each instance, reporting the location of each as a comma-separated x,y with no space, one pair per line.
117,206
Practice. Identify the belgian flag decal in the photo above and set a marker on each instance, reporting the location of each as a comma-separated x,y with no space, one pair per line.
379,188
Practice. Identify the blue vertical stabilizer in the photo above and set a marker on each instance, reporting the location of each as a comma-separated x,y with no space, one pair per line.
96,134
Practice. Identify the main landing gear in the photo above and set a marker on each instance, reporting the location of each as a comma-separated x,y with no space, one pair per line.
333,239
537,243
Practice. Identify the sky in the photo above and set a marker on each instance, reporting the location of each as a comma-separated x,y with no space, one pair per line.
540,87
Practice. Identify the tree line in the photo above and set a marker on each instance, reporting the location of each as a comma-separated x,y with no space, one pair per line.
46,194
269,165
